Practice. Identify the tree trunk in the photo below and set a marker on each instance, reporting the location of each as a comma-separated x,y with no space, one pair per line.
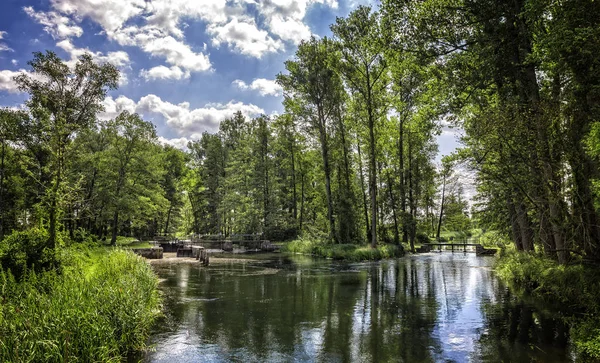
439,227
396,231
402,179
115,224
373,180
168,218
362,187
327,170
514,223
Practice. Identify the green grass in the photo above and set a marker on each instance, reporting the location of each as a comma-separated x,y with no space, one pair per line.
574,290
99,307
347,252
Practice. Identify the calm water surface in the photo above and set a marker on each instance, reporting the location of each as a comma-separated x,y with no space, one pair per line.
438,307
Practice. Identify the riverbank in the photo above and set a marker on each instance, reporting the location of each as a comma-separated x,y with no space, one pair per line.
346,252
98,306
574,290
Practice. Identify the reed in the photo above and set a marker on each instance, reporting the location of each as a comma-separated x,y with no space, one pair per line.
99,308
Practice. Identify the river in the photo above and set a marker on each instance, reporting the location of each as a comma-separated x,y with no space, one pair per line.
437,307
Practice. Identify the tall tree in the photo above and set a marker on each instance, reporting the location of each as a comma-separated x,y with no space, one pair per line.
362,43
314,88
64,101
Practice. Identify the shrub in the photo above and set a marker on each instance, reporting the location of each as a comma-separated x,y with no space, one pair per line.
25,250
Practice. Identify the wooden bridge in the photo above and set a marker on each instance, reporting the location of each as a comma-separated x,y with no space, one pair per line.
478,248
219,242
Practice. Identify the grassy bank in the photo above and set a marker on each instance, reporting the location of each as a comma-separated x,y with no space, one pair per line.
99,306
574,290
347,252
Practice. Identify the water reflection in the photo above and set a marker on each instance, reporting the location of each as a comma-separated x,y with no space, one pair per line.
436,307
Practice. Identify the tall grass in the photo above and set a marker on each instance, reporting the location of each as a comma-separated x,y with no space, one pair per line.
574,289
348,252
100,314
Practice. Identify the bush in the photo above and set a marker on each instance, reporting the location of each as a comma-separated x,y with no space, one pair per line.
77,316
25,250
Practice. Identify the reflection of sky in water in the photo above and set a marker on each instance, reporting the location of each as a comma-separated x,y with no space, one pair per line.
418,308
459,315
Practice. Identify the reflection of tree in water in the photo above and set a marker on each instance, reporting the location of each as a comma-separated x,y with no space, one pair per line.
381,314
406,310
515,332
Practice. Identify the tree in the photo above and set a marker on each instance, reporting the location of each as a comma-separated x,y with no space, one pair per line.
130,169
64,101
362,43
314,89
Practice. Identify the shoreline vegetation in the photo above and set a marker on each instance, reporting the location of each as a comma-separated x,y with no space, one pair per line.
346,252
574,290
96,304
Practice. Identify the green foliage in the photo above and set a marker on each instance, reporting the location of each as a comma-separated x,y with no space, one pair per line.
422,238
346,252
25,250
84,314
574,289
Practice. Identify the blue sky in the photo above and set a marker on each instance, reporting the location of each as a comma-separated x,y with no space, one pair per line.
186,65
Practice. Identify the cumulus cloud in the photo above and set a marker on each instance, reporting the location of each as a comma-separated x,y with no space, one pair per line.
244,37
14,62
7,82
179,143
285,18
263,86
156,27
185,121
118,59
55,24
162,72
110,14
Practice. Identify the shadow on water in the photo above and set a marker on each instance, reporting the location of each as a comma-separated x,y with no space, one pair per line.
426,308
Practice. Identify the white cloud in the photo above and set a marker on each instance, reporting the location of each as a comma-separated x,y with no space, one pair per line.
4,47
112,107
162,72
285,18
118,59
14,62
177,53
7,82
110,14
289,29
245,37
55,24
179,143
263,86
184,121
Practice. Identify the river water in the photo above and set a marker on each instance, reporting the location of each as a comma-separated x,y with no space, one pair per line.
438,307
